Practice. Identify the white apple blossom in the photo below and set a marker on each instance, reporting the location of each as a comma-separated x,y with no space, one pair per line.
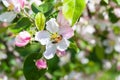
55,38
15,5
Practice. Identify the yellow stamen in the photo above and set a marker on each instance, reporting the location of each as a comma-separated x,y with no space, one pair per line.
11,7
55,38
54,35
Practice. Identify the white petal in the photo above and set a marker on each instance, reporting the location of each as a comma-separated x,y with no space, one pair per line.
7,16
117,47
14,2
17,5
43,37
50,51
6,3
52,25
63,45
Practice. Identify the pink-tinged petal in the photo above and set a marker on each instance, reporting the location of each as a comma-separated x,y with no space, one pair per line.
50,51
60,53
24,35
52,25
21,44
17,9
61,20
22,3
65,28
41,64
63,45
66,32
22,39
43,37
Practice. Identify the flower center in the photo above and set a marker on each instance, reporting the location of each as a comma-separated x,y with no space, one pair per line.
11,7
56,38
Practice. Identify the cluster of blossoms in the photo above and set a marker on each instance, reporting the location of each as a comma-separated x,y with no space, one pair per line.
55,38
15,5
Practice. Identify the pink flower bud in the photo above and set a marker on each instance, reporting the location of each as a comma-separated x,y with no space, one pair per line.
60,53
41,64
22,39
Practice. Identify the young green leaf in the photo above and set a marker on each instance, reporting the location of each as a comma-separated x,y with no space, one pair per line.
72,9
44,8
35,8
40,21
21,25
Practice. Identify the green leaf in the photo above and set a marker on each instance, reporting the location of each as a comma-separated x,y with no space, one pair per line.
112,16
30,70
21,25
106,1
3,29
73,46
40,21
52,1
29,49
117,1
53,64
99,50
44,8
35,8
72,9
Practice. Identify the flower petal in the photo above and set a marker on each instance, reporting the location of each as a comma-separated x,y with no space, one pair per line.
17,8
63,45
7,16
66,32
22,3
24,35
20,42
61,20
43,37
50,51
60,53
52,25
6,3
